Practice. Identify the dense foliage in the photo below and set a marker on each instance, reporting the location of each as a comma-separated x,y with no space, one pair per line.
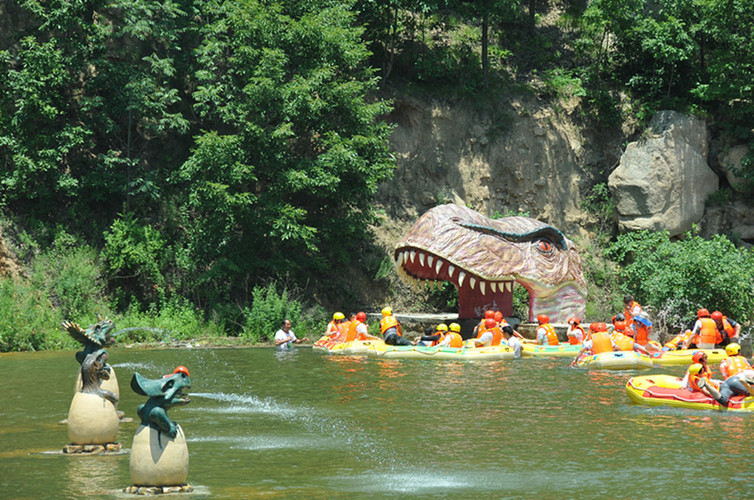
679,277
181,155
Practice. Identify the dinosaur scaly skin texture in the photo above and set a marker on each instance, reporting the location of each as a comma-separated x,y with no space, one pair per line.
163,394
483,258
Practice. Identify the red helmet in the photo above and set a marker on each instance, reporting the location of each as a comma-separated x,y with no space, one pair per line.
574,320
601,327
181,369
543,318
620,325
361,316
593,327
717,316
498,316
698,356
702,313
489,313
490,323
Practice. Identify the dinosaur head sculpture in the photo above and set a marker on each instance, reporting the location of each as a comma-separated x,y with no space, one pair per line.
483,258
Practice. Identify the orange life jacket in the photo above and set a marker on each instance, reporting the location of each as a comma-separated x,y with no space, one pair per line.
677,340
388,322
708,334
694,379
601,342
552,335
574,340
497,335
352,333
455,339
624,342
332,328
733,365
728,328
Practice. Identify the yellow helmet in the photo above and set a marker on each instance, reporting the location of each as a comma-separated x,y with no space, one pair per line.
387,311
338,315
442,327
455,327
732,349
695,368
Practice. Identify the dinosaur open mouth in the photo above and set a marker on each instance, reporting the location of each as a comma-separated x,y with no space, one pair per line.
476,294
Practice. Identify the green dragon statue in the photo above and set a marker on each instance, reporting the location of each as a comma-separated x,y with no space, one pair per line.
95,336
484,257
163,394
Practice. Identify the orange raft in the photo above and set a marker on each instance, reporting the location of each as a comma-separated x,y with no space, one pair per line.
666,390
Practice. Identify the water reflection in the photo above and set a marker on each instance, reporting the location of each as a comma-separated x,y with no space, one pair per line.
90,476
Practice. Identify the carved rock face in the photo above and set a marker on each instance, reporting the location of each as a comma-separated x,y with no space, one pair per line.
158,460
92,420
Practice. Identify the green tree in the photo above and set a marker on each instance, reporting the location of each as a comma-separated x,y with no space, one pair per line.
292,149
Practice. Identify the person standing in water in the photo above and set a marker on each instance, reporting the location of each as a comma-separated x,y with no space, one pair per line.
285,338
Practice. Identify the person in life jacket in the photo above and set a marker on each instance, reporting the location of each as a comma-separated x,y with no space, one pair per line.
479,328
704,334
576,333
391,329
742,383
677,342
699,377
358,329
620,339
491,336
433,335
453,337
546,333
332,327
600,342
734,363
727,328
638,325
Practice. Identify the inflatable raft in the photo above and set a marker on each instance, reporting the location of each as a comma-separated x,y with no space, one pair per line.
617,360
666,390
560,350
683,356
353,348
437,352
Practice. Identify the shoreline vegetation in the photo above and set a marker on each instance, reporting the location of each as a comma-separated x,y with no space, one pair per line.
205,169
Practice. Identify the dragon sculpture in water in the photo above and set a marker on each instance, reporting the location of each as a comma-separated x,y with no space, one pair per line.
95,336
483,257
163,394
94,369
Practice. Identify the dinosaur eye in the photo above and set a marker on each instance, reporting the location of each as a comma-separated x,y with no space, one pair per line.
545,246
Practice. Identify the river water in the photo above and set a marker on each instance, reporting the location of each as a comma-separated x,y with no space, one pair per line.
304,424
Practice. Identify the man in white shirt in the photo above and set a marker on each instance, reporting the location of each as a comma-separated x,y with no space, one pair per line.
285,338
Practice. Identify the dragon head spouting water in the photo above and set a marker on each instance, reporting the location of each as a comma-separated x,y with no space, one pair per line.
484,257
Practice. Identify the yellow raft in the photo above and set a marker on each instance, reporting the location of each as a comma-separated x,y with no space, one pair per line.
616,360
564,349
437,352
666,390
683,356
353,348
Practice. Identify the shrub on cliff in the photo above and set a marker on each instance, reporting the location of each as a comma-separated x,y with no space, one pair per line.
690,272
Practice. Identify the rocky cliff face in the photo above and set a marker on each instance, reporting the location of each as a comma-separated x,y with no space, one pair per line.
514,157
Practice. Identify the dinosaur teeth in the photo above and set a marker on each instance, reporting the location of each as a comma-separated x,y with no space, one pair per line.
430,260
421,258
509,286
461,277
412,255
399,259
482,287
451,270
493,286
438,266
472,282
